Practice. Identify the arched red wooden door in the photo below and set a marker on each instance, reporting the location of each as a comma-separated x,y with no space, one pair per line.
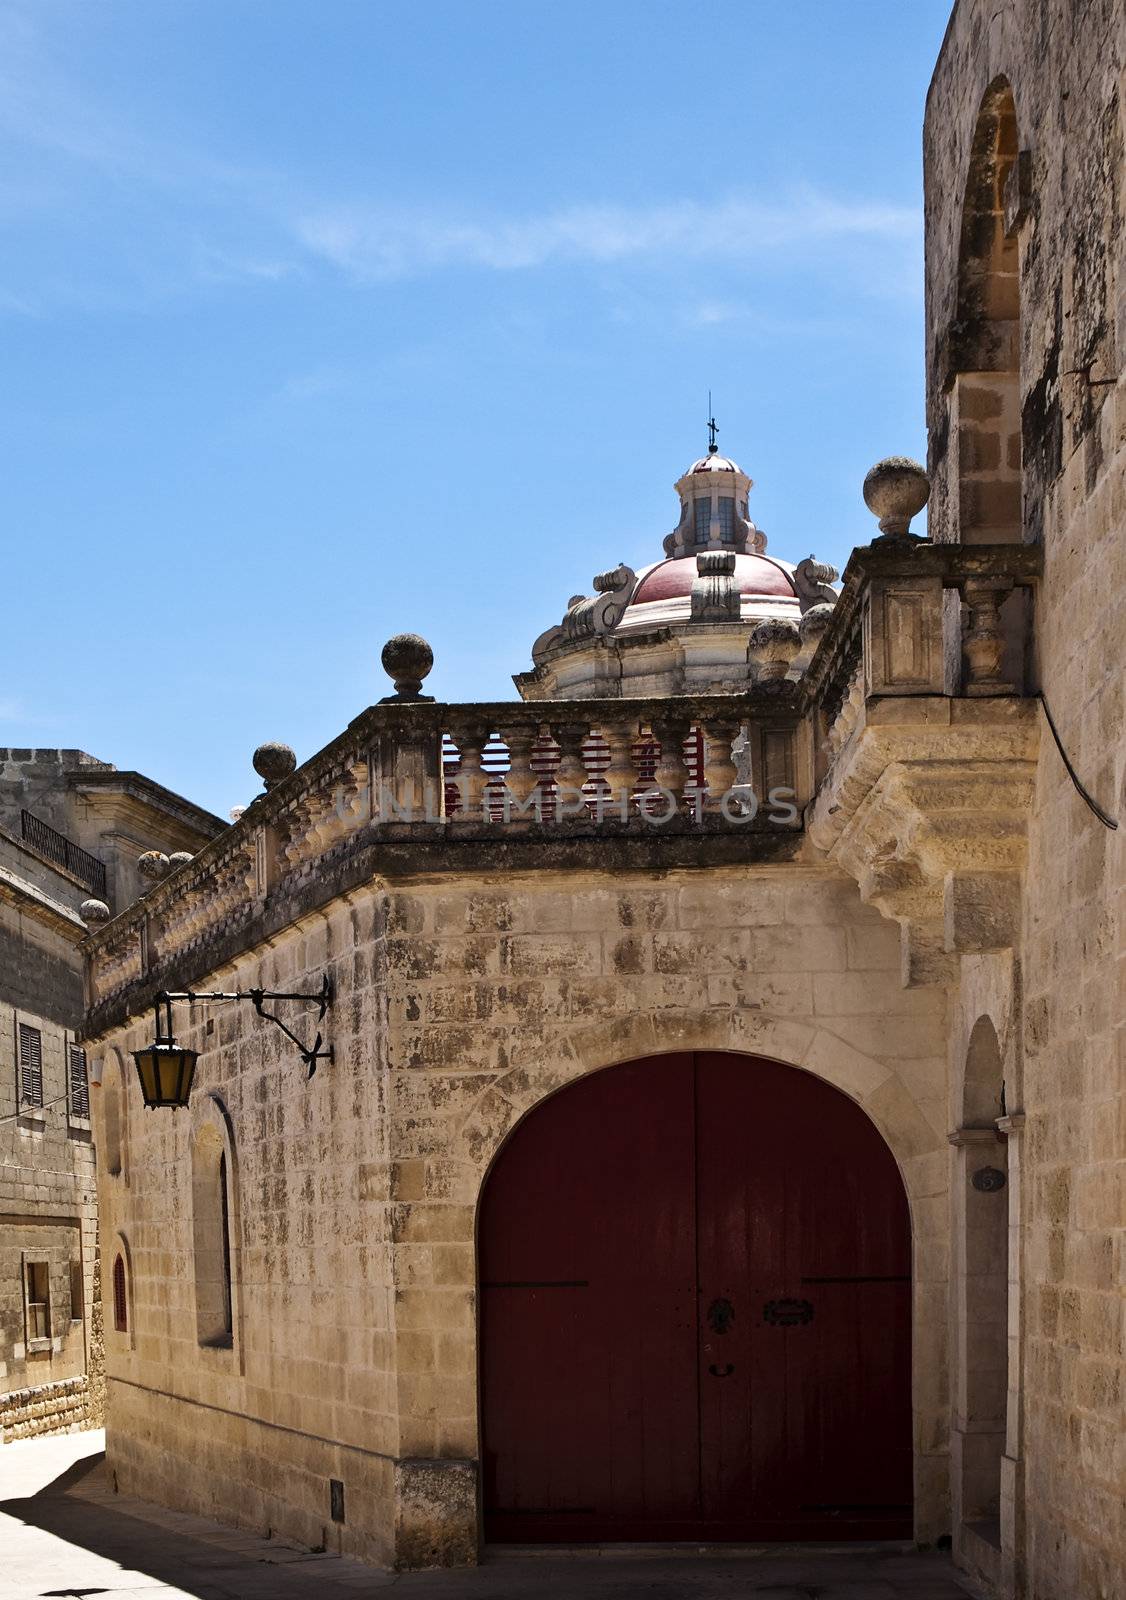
695,1312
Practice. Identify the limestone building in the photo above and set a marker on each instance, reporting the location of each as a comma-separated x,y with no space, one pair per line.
724,1129
72,831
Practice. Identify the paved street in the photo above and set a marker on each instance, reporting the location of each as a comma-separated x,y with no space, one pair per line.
63,1532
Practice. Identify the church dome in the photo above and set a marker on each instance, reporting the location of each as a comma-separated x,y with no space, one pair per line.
754,574
684,623
664,591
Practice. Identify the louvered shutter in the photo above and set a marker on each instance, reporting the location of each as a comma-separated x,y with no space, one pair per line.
31,1066
120,1304
79,1084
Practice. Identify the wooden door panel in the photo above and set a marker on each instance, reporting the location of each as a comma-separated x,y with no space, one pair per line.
695,1312
587,1259
801,1208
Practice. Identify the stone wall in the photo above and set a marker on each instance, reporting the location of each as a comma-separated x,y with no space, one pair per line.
37,780
63,1407
353,1197
39,967
48,1214
1058,1008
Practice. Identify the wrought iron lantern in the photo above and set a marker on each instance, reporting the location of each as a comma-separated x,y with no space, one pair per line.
166,1069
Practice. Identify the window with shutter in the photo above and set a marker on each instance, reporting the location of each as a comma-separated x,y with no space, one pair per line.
31,1066
38,1290
120,1308
79,1083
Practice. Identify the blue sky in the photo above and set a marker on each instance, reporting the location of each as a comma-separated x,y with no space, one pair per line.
325,321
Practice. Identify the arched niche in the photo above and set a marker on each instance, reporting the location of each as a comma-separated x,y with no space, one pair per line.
982,1286
983,343
983,1083
115,1116
216,1231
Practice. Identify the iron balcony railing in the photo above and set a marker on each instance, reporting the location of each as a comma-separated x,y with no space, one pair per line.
47,841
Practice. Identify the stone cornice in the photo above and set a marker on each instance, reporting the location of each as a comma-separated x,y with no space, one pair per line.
926,807
938,730
35,902
474,854
132,794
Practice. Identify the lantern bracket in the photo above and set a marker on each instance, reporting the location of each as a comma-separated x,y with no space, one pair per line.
321,998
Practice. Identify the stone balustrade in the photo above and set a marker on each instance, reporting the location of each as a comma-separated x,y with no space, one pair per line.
919,619
569,782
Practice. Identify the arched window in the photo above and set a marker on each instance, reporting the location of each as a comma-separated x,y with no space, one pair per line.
120,1299
211,1218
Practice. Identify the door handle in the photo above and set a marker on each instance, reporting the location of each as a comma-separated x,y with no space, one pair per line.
721,1372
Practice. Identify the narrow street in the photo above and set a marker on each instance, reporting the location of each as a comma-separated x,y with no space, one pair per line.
63,1532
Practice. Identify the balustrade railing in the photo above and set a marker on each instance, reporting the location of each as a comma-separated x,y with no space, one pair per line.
915,620
586,763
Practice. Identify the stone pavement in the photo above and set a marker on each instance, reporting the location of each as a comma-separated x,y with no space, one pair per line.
63,1532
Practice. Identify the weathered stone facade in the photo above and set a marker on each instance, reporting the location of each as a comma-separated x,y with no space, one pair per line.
458,1007
70,827
1024,157
934,925
478,965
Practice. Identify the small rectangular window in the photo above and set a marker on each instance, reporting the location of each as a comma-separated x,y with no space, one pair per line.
79,1084
38,1300
726,519
31,1066
703,522
336,1499
76,1294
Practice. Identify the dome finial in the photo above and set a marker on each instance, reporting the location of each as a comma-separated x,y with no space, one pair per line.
713,448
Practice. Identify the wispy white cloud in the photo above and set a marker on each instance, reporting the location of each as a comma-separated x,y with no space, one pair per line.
215,265
369,241
158,212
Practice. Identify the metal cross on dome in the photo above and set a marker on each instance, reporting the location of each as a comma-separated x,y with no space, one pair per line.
712,429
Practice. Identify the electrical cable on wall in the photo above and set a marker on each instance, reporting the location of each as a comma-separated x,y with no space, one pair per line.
1106,820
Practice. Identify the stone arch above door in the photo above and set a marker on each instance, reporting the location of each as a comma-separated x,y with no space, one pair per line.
883,1093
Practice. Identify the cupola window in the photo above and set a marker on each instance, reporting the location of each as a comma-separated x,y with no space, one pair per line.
703,524
726,519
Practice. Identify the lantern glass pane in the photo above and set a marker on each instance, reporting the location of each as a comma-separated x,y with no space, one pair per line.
166,1072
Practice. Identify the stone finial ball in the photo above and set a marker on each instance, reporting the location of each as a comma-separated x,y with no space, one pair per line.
774,633
179,858
773,644
895,490
407,659
274,762
94,913
815,623
152,865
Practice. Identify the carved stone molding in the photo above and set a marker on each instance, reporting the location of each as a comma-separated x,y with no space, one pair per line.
926,808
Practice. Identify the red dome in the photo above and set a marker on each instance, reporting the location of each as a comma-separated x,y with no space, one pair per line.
675,577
